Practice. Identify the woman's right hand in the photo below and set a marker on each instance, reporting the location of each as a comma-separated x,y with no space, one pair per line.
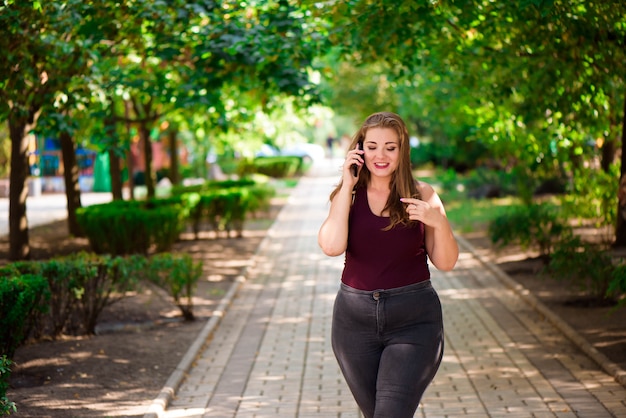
353,157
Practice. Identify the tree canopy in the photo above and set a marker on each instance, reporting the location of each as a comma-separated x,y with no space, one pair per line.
536,87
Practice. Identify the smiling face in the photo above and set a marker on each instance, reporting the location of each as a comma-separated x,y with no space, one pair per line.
382,151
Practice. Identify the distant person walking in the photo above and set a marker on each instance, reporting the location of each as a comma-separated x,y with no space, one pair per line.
387,328
330,141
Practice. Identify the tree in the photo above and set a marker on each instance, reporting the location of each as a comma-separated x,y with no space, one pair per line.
541,78
41,57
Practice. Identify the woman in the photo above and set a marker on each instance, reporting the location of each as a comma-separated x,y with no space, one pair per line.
387,330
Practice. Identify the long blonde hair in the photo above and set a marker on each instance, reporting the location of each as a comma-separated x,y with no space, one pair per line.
402,182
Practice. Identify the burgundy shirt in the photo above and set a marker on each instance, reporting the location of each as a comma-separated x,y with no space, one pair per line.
377,259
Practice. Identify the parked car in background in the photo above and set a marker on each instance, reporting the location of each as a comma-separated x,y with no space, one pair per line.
308,152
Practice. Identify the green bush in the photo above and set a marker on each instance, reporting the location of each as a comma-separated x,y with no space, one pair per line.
77,288
226,209
536,226
6,406
216,207
587,266
593,198
62,301
617,285
121,228
22,297
279,167
259,197
178,274
212,185
99,281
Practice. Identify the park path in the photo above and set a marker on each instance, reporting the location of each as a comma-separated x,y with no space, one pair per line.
267,352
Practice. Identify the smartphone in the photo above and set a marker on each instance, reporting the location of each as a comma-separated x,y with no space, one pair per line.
355,168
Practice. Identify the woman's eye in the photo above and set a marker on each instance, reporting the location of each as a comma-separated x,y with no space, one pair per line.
391,149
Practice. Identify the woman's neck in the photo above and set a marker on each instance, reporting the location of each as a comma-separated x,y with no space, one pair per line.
379,184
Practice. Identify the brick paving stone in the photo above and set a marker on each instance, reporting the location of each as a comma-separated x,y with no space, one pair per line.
270,356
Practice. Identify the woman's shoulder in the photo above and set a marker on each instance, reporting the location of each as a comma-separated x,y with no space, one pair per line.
425,189
428,193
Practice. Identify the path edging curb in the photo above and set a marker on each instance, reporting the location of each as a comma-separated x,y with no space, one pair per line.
160,403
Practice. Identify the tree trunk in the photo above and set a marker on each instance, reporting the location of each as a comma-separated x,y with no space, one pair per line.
19,246
144,135
129,154
608,155
72,188
115,171
174,162
620,228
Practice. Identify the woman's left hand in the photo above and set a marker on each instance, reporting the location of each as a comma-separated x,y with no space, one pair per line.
419,210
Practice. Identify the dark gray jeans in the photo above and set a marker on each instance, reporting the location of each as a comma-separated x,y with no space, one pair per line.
389,344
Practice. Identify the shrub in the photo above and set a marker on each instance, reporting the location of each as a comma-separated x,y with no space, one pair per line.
76,287
100,280
6,406
121,228
259,197
279,167
617,285
592,197
178,274
21,298
62,301
531,226
584,265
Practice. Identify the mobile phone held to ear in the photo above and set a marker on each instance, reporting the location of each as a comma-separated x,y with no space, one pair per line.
355,168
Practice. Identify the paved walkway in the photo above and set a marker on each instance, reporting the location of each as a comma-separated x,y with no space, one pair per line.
268,353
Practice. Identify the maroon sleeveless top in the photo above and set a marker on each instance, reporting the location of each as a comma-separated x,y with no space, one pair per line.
377,259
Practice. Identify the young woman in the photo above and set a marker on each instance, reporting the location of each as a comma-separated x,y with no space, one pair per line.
387,330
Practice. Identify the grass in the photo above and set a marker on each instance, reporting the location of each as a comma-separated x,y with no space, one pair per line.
471,215
465,214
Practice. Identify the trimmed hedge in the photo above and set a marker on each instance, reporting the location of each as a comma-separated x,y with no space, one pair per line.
279,167
43,299
133,227
22,297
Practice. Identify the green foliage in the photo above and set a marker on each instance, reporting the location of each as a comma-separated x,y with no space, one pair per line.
72,291
460,156
178,274
584,265
617,285
21,296
471,215
220,208
484,182
83,285
593,197
212,185
279,167
120,228
6,406
480,72
259,197
531,226
100,280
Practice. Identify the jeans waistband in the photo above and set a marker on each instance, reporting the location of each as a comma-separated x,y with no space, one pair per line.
378,293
